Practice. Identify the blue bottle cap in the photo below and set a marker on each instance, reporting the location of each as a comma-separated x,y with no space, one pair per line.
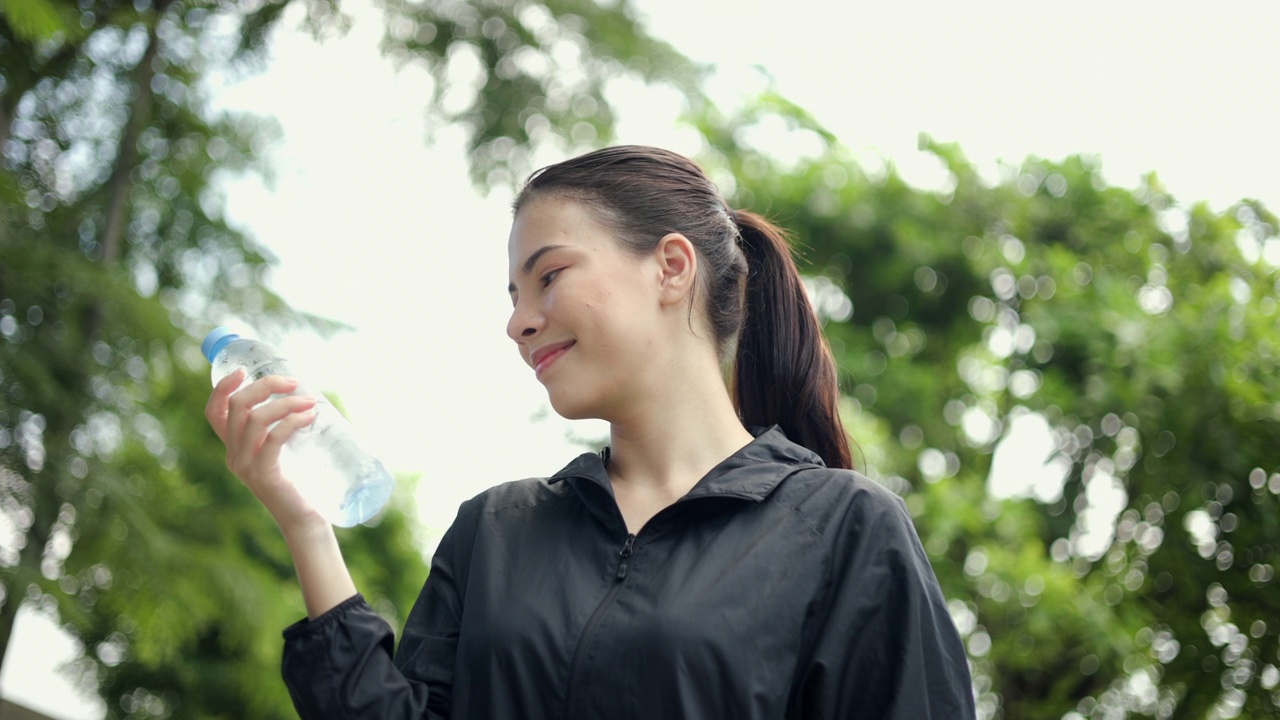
215,341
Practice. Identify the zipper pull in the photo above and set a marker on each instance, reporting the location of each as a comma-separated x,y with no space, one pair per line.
627,550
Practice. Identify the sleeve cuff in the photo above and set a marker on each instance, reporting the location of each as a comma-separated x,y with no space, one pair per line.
305,626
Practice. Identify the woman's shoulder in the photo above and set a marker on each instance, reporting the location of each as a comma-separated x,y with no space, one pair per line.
822,495
834,498
818,483
513,494
534,491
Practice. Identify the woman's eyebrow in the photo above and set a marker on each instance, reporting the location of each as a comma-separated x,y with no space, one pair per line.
533,260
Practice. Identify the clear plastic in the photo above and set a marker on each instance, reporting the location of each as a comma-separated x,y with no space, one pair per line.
345,484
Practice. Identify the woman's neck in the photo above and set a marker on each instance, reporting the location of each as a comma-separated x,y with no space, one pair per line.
674,436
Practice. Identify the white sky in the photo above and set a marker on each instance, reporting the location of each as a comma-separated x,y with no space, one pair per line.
376,230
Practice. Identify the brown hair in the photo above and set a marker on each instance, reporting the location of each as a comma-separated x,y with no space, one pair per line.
783,371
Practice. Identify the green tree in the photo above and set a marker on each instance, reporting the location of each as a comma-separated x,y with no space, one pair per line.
117,512
541,72
1134,571
1134,576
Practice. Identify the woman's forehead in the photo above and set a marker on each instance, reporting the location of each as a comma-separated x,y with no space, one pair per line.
552,221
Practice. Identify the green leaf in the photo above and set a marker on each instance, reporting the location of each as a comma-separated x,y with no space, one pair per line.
32,20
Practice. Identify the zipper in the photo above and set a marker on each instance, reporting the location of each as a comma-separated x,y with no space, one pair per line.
628,549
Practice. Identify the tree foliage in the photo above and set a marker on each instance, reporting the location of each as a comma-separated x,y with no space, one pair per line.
524,76
1127,566
118,513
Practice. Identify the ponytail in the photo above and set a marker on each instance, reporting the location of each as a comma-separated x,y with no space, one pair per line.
784,372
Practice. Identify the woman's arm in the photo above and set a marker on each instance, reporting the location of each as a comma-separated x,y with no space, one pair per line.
339,661
255,426
340,664
883,644
322,572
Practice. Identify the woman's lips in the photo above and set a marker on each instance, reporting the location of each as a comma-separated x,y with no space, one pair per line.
545,359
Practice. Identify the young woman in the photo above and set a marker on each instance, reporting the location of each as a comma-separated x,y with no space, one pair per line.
718,560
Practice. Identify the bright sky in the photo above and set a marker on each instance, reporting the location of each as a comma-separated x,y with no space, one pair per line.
378,231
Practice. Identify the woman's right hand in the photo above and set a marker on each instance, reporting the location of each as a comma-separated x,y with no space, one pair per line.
244,420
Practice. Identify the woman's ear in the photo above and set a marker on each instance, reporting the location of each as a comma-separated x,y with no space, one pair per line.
678,264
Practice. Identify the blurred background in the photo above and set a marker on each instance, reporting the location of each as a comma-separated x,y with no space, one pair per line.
1038,235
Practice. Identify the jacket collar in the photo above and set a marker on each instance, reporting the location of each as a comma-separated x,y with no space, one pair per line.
751,473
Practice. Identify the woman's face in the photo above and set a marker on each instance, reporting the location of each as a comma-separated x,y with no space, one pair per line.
585,314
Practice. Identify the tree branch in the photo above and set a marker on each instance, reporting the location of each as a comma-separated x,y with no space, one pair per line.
119,183
8,613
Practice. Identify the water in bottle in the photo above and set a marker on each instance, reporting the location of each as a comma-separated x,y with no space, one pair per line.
345,484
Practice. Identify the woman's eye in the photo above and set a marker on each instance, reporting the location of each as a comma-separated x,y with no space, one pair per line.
550,276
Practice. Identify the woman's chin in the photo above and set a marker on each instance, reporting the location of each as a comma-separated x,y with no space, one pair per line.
572,412
571,408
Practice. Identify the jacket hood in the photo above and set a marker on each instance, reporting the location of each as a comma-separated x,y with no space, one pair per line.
750,473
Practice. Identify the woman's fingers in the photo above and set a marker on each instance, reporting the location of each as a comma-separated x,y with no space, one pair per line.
260,470
254,421
245,451
215,411
281,433
261,418
251,396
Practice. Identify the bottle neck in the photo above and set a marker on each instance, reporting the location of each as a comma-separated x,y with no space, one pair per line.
221,345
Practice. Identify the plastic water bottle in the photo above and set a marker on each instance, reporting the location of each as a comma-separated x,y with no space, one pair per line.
341,481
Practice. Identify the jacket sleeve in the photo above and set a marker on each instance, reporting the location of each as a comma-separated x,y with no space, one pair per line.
341,664
882,643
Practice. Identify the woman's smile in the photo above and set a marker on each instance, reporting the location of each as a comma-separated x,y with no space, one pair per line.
542,358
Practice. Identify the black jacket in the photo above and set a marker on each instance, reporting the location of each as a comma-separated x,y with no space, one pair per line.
777,588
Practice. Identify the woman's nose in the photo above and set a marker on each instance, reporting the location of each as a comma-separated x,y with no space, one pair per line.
524,322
